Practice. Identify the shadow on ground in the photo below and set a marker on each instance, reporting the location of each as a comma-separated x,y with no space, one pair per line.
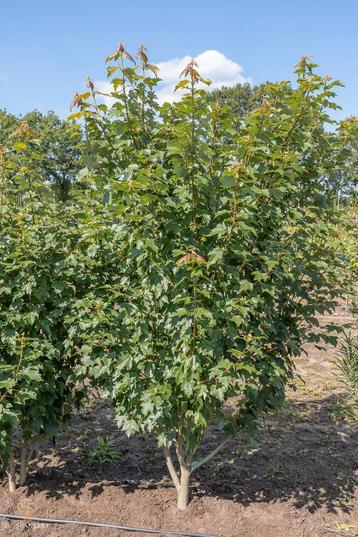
299,455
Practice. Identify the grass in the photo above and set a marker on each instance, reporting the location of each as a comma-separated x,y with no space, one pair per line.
345,411
305,389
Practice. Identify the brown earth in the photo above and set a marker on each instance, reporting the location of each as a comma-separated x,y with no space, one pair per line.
297,478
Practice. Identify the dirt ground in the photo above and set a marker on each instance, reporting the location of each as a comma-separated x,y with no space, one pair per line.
297,478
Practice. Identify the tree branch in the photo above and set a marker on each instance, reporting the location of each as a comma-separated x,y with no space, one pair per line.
206,459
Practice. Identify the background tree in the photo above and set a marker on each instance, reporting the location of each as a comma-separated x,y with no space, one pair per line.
8,123
342,181
56,157
240,99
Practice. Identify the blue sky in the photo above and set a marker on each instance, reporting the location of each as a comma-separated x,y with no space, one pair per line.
48,48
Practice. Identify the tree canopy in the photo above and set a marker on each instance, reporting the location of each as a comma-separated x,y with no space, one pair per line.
53,146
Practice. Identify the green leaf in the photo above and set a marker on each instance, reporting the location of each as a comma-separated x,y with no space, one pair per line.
182,84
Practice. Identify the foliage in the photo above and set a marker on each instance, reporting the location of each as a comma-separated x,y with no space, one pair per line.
240,99
341,180
52,150
7,126
346,230
38,282
224,248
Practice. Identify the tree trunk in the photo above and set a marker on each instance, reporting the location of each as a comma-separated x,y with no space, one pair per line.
183,492
12,473
181,482
24,461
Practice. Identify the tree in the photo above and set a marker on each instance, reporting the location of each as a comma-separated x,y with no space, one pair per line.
342,181
226,250
55,149
8,122
38,283
240,99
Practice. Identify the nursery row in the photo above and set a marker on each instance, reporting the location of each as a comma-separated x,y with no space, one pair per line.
184,269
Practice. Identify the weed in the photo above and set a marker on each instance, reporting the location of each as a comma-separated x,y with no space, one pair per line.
274,467
104,452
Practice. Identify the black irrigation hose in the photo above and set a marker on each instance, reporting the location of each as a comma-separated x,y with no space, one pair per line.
98,525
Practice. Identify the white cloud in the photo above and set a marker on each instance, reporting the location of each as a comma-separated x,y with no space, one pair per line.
104,87
212,64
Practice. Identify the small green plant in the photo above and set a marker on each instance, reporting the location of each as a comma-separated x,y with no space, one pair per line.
347,362
105,451
274,467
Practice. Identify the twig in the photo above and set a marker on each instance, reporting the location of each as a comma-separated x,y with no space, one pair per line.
210,456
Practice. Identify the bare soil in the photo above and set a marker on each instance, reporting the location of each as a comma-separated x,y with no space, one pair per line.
296,478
